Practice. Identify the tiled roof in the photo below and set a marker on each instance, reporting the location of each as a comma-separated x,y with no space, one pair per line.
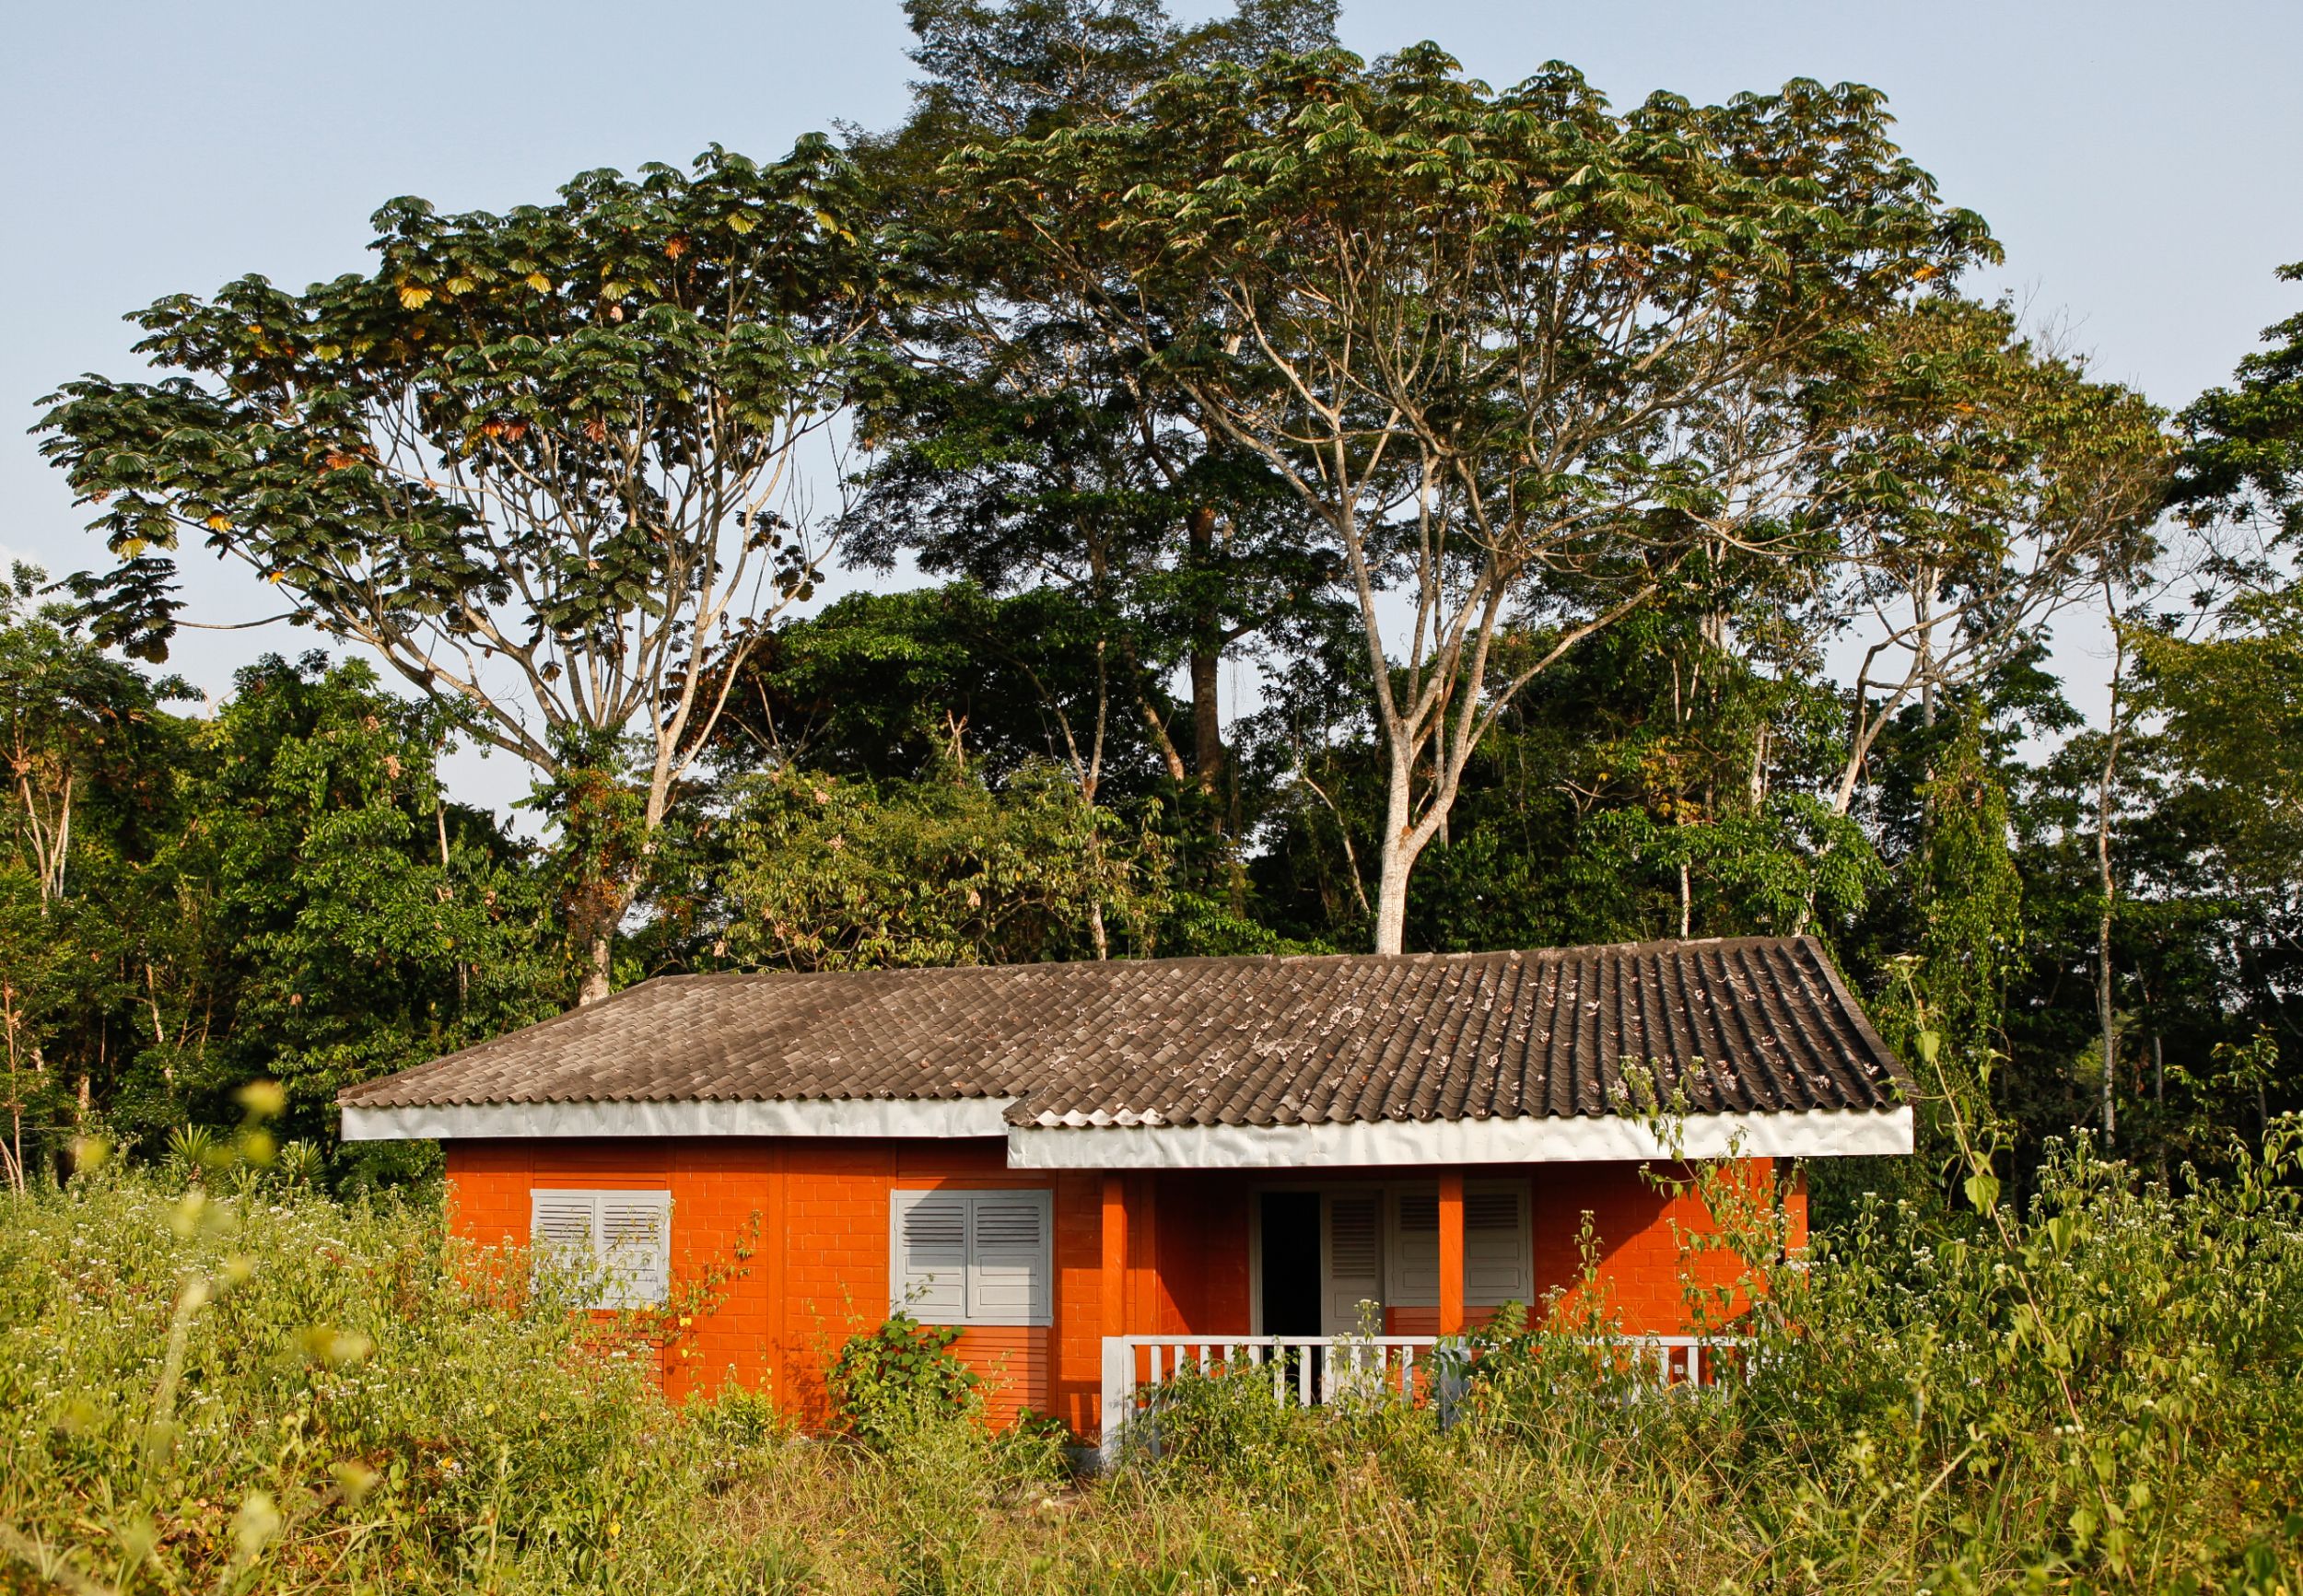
1752,1024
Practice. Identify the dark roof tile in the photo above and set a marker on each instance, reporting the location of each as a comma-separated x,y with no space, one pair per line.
1738,1025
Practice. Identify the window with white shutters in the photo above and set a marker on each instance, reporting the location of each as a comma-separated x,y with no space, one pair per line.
617,1244
931,1271
972,1257
1415,1252
1496,1268
1495,1245
1355,1230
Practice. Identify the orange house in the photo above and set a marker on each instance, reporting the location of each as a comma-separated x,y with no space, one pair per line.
1071,1162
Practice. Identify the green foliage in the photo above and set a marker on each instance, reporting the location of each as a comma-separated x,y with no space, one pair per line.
254,1385
2098,1394
546,353
1192,360
372,922
845,874
272,1390
894,1381
537,461
1472,331
1188,358
1968,894
2102,1386
2245,443
2233,710
280,892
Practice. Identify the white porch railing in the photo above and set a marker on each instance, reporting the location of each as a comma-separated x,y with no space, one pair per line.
1319,1369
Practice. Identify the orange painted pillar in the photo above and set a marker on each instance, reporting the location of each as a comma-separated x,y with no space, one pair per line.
1143,1258
1112,1410
1114,1277
1795,1212
1451,1252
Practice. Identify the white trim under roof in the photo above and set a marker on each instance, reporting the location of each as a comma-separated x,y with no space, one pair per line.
1814,1134
975,1117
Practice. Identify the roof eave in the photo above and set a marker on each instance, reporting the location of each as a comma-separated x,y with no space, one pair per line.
1814,1133
833,1117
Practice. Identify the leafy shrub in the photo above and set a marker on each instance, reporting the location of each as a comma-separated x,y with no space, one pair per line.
2109,1386
275,1391
269,1391
893,1380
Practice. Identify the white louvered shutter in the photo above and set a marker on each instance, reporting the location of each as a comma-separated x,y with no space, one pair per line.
564,1236
1495,1246
560,1224
636,1248
1354,1259
929,1279
617,1244
1415,1250
1010,1263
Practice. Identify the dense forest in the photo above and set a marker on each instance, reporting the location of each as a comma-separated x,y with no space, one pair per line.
1187,490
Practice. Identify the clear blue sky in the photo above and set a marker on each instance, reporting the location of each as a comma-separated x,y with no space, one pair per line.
2142,162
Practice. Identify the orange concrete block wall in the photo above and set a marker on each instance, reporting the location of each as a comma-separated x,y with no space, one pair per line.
793,1236
1639,1237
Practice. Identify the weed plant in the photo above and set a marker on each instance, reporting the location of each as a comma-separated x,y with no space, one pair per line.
244,1386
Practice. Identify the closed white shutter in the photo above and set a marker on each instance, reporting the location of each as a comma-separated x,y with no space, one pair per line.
618,1244
928,1279
1010,1263
636,1248
1354,1259
1415,1250
1496,1267
562,1228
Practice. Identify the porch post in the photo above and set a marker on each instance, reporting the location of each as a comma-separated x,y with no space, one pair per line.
1114,1277
1112,1280
1451,1252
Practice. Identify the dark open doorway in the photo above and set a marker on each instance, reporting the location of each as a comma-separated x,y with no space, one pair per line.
1291,1262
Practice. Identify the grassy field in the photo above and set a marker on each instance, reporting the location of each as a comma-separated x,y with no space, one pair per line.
259,1389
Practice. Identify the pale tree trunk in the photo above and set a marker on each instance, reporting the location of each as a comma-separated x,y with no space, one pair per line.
2105,1013
1925,645
1087,774
600,909
1404,842
1452,718
599,967
1171,760
1391,896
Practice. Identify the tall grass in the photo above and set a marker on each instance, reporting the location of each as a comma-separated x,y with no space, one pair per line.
270,1390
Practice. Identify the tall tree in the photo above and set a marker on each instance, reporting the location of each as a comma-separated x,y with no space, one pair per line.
2244,443
1028,446
538,462
87,750
1476,333
351,918
1975,484
2232,700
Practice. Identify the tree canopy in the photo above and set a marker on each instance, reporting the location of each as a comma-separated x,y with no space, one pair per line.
541,465
1186,489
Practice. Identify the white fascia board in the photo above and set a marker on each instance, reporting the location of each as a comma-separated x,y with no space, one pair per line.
981,1117
1821,1134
